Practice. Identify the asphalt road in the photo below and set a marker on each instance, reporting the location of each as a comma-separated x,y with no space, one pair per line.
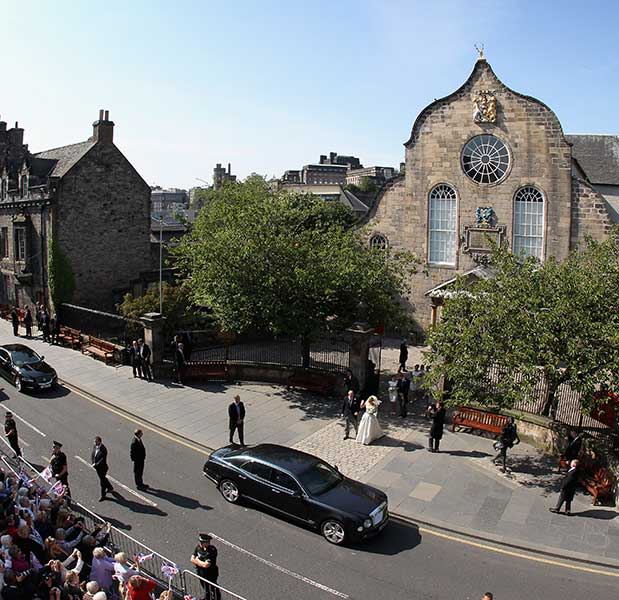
282,560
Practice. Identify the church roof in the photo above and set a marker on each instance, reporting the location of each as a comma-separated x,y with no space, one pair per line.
66,156
443,290
353,202
598,156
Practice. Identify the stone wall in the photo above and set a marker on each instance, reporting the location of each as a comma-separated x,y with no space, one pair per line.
589,213
102,223
540,156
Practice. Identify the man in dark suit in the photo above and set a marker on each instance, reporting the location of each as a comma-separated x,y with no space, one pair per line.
179,362
568,490
236,412
10,430
145,355
98,459
138,456
15,321
136,359
351,407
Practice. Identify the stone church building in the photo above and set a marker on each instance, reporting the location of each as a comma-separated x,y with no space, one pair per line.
89,199
483,163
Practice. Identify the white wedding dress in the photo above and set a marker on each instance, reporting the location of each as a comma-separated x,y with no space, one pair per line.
369,429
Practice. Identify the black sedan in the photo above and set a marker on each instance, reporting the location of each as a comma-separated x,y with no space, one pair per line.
300,486
25,369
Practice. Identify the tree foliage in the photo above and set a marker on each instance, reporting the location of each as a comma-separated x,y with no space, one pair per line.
286,263
559,320
177,307
60,274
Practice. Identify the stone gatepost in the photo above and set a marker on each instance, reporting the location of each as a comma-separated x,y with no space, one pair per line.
360,352
153,336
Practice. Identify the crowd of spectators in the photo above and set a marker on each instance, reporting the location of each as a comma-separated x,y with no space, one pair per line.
47,552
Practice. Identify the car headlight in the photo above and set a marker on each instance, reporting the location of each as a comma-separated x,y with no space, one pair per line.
367,523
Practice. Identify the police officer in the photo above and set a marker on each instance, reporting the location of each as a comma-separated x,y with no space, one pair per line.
10,430
58,464
204,558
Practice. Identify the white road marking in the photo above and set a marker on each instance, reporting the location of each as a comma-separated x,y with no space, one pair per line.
29,424
122,485
302,578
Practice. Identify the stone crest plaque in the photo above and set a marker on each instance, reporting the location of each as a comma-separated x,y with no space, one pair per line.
484,107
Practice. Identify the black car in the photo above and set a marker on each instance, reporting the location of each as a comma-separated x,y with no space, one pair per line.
300,486
25,369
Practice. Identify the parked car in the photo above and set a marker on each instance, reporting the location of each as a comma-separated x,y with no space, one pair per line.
25,369
300,486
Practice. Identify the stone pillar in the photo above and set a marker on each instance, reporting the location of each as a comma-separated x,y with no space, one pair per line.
360,351
153,336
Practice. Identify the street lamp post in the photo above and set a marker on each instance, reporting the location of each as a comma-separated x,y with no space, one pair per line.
160,220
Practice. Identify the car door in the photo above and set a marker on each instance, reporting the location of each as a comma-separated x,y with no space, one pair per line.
258,485
287,496
5,365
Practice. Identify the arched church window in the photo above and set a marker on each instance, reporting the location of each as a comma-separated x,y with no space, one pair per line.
379,241
528,236
442,225
485,159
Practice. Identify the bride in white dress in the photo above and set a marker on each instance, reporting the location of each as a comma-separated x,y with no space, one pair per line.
369,429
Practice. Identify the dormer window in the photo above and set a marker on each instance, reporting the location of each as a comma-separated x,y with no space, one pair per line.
23,184
4,188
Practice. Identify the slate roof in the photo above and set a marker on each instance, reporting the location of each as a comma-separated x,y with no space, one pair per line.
353,202
598,156
66,156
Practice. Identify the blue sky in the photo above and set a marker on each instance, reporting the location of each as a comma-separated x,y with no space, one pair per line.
270,85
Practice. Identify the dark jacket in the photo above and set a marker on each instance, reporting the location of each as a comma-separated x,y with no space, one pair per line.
570,483
509,436
135,355
28,317
573,448
138,451
403,352
351,407
145,353
438,421
99,458
179,357
234,415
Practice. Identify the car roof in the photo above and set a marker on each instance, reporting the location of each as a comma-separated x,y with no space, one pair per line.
286,458
16,348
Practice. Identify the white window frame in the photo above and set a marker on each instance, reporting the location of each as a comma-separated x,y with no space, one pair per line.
529,222
20,244
443,225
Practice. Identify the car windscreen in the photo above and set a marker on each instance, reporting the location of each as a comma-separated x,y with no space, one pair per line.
25,357
319,478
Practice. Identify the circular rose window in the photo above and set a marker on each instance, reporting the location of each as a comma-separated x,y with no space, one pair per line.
485,159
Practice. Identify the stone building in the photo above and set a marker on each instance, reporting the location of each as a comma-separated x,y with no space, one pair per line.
89,199
220,176
483,163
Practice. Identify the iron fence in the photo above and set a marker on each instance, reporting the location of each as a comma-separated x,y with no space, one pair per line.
182,584
327,354
108,326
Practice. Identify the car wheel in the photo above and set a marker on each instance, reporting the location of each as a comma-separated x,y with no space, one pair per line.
18,383
230,491
333,531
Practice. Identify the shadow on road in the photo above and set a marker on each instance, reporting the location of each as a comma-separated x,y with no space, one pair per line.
177,499
59,391
597,513
469,453
394,539
136,506
116,523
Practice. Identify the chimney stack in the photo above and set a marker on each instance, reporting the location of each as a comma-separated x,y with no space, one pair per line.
103,129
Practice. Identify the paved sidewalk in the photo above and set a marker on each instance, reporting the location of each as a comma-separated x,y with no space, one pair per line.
458,488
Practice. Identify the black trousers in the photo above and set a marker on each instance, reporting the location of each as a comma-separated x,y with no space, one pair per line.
137,369
502,454
403,402
238,427
567,498
434,442
138,472
106,486
15,328
14,443
210,591
148,372
28,330
350,420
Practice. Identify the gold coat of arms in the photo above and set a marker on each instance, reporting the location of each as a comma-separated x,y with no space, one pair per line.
484,103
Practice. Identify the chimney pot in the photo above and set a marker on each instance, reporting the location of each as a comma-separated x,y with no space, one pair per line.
101,114
107,115
16,124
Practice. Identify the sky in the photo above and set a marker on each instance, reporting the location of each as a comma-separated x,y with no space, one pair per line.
270,85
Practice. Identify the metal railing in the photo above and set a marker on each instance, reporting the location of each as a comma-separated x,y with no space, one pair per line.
184,583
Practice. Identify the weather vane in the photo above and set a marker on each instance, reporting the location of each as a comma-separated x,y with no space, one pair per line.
480,50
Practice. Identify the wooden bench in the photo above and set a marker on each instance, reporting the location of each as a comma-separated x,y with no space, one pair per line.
320,383
474,418
99,348
70,337
216,370
598,483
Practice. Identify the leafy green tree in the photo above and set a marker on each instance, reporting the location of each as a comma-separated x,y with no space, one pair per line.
177,307
367,185
559,320
287,263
